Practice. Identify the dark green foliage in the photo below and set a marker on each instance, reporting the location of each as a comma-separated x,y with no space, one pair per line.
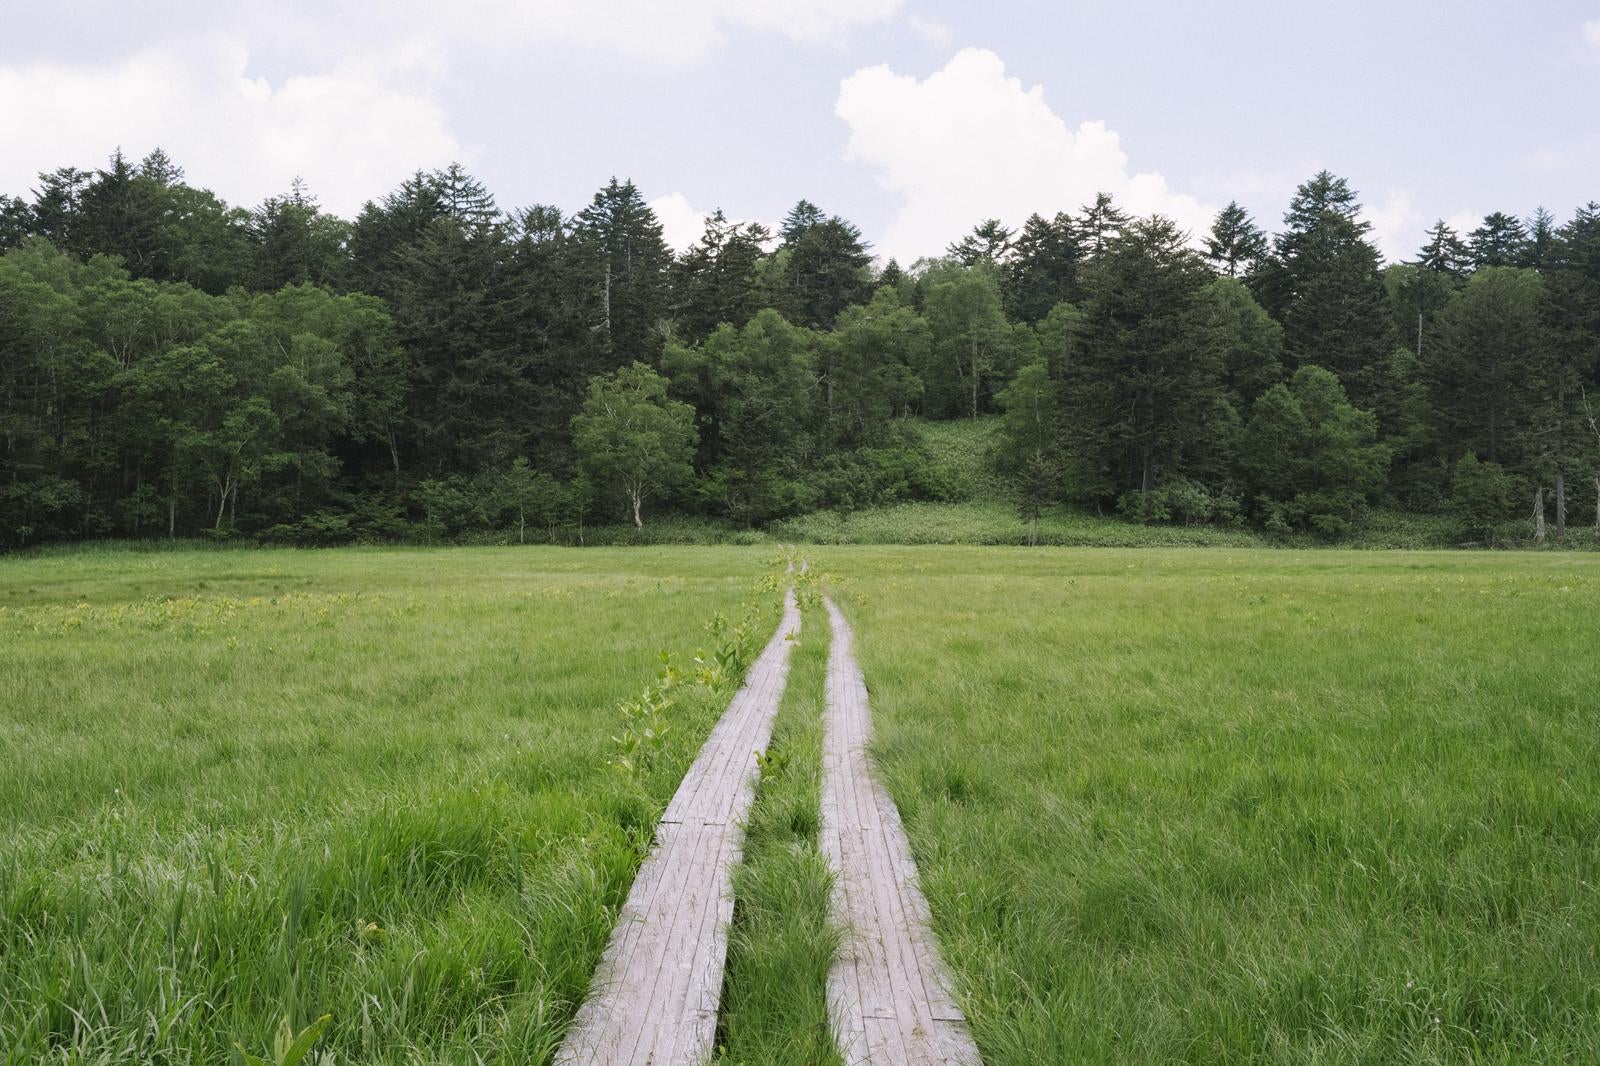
1145,390
171,365
1236,243
1043,267
989,242
1322,283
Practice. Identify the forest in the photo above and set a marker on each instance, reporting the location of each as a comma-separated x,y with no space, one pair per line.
441,368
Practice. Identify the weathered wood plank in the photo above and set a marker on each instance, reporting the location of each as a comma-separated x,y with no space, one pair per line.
889,995
655,995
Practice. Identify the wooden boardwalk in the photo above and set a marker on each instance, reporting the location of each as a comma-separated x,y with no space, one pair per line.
888,992
655,995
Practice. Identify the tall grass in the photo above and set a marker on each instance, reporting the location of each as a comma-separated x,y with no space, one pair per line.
774,1001
244,786
1248,806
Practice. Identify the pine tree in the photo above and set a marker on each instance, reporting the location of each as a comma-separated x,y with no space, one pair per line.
989,242
626,245
824,267
1541,236
1500,241
1445,252
1043,270
1099,223
1145,390
1236,243
1322,283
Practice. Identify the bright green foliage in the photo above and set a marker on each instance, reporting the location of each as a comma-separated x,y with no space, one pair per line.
972,341
752,388
1311,459
1480,495
871,368
1029,446
634,440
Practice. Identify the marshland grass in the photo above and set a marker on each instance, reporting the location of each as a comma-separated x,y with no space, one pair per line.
1246,806
244,785
774,999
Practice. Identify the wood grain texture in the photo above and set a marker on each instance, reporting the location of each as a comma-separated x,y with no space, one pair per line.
655,995
889,995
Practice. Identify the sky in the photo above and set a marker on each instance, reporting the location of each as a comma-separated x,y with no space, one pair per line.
915,119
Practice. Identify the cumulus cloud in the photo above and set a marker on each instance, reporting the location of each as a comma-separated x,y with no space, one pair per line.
970,142
349,131
682,223
1591,33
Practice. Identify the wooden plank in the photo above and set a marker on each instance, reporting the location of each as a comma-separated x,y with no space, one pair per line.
889,994
655,994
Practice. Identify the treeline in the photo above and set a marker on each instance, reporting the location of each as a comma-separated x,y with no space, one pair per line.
441,367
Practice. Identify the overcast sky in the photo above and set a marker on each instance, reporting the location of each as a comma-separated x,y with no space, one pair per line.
913,118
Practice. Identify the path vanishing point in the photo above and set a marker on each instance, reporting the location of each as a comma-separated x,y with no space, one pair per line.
655,994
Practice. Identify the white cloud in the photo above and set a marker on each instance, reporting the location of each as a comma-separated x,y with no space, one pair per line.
933,30
682,224
1397,226
348,131
1591,33
678,31
970,143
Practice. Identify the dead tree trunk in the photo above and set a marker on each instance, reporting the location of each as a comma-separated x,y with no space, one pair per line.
1561,505
1538,515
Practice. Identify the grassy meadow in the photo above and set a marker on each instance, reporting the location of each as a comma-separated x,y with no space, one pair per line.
1168,804
1220,806
241,785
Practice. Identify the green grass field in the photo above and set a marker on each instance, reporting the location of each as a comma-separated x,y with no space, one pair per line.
240,785
1169,805
1181,806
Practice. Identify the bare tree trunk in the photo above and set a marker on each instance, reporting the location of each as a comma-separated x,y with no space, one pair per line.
1597,506
638,522
1538,516
172,517
522,526
1561,505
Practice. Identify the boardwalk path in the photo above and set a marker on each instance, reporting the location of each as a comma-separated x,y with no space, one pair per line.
888,993
655,995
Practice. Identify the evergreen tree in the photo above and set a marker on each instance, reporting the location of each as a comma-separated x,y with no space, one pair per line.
1043,269
989,242
1500,241
1478,374
717,279
1445,253
1099,224
624,240
1322,283
824,267
1145,391
294,243
1236,243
